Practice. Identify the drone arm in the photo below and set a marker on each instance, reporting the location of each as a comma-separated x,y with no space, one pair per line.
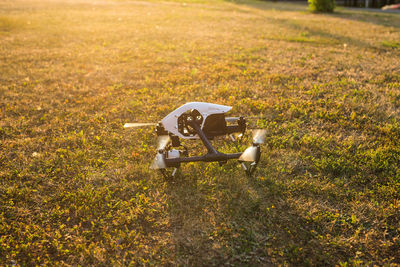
171,162
203,137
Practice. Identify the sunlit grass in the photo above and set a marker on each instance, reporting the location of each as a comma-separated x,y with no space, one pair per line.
75,187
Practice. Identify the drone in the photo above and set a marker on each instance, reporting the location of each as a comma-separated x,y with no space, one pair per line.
204,121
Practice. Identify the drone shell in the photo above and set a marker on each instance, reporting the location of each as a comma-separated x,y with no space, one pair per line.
170,122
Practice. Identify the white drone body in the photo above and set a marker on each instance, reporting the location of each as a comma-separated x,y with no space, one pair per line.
170,122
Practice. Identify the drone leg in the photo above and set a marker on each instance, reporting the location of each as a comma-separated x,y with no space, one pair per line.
244,166
251,168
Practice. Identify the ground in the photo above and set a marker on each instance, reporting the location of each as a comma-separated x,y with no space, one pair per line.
75,186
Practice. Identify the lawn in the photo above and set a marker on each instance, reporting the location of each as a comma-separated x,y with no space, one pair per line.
76,188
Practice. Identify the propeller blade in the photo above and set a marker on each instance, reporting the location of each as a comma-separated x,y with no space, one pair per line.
259,136
250,154
139,124
163,141
159,162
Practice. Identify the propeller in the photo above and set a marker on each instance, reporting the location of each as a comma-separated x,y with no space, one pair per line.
162,142
253,153
259,136
159,162
139,124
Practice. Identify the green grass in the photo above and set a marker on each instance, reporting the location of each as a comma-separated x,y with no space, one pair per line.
75,188
391,44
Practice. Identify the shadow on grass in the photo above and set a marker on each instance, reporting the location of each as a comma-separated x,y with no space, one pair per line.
316,31
335,38
274,5
375,18
370,17
228,218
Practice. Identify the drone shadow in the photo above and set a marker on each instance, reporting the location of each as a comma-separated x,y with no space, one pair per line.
219,216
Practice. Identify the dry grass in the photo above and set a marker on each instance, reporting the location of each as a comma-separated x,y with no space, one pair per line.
75,186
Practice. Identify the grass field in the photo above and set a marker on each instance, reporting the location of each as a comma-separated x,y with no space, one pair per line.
75,187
